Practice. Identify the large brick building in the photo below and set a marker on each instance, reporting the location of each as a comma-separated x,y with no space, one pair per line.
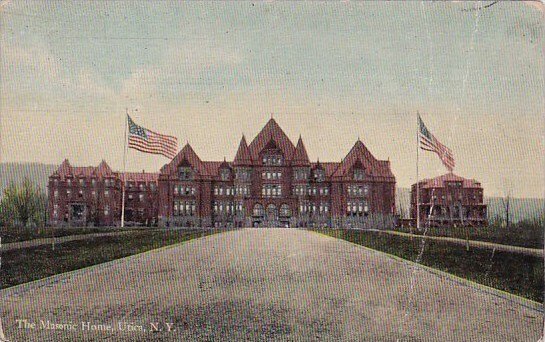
449,200
270,182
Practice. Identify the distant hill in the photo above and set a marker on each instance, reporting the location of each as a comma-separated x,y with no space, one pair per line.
521,208
17,172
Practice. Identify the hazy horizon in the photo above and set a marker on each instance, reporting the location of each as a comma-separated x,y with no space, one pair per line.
332,72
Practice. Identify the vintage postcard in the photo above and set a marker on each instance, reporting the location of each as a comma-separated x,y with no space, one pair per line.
272,171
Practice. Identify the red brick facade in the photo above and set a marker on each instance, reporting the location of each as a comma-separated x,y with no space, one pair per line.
449,200
270,182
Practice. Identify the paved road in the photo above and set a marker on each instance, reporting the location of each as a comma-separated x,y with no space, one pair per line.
268,284
473,243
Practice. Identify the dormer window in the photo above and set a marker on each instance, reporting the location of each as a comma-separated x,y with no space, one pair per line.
273,160
319,175
225,174
184,173
359,174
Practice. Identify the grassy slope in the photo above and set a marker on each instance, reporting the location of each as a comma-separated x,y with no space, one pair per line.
522,234
21,266
9,235
511,272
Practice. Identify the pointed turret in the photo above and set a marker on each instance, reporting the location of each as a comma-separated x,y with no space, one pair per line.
103,169
224,164
65,168
243,153
300,157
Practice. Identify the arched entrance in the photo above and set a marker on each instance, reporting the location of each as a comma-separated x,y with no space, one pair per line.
272,216
285,215
258,215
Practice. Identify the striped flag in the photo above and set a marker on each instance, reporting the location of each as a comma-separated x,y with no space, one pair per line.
147,141
429,142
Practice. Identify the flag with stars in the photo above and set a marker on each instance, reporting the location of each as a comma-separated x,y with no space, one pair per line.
147,141
429,142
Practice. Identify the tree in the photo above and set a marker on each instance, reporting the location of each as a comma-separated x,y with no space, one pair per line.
23,204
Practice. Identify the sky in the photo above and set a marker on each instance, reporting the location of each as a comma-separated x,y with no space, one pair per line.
331,72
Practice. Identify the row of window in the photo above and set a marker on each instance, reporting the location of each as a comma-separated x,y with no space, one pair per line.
359,174
243,175
314,208
358,190
184,208
271,175
141,186
301,174
106,210
130,197
357,207
271,210
227,207
82,182
301,190
184,190
273,159
243,190
271,190
81,193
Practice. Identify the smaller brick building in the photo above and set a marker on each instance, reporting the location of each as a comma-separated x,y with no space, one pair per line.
449,200
91,196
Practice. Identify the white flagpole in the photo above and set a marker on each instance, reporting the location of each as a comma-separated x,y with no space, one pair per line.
417,179
124,170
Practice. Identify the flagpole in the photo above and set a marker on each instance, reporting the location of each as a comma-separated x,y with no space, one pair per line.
417,178
124,171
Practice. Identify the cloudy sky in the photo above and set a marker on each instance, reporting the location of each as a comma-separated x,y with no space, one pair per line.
332,72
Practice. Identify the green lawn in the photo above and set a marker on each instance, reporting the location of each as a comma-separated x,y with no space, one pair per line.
511,272
10,234
523,234
24,265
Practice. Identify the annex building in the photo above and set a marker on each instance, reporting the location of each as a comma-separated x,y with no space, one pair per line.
449,200
270,182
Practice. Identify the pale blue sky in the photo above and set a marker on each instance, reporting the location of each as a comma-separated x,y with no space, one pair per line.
208,72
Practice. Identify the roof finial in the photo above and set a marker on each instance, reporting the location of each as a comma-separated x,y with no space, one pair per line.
272,115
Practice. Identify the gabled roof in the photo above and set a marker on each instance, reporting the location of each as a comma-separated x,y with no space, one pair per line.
243,153
67,170
300,156
328,167
211,168
360,156
186,154
271,132
440,181
103,169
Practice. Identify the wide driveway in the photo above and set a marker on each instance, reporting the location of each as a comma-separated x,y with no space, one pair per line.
262,284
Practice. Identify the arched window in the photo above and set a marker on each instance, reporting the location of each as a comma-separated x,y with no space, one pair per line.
258,210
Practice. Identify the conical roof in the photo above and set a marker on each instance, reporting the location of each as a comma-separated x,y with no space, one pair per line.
300,156
243,153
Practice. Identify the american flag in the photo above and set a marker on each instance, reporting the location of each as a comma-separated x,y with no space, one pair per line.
429,142
147,141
